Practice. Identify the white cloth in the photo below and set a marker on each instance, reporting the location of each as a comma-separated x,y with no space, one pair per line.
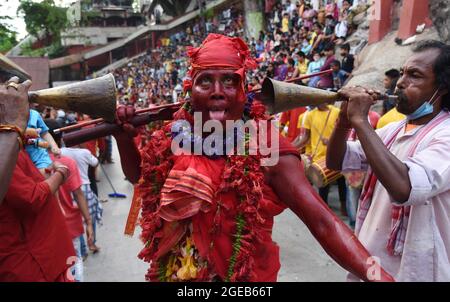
341,29
84,159
291,8
426,253
315,5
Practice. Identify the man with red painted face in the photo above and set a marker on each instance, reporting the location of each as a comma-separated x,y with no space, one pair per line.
210,218
404,209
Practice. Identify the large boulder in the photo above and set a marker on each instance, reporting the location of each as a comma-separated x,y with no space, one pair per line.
440,14
375,59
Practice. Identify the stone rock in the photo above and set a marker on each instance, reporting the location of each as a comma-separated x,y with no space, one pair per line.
440,15
360,18
375,59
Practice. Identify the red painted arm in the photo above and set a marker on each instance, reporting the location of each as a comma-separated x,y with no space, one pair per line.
130,157
290,184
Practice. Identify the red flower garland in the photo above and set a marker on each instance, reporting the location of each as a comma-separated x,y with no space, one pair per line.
242,174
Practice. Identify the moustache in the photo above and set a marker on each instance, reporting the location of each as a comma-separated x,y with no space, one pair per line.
401,96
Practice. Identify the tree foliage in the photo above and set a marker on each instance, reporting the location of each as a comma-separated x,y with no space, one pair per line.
7,35
43,17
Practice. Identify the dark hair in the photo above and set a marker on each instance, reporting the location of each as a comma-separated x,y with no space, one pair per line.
336,63
345,46
318,25
301,54
392,74
328,47
441,66
291,61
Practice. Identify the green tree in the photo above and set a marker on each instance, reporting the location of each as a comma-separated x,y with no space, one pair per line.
254,17
172,8
7,35
43,17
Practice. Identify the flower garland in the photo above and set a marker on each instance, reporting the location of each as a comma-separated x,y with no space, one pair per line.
242,175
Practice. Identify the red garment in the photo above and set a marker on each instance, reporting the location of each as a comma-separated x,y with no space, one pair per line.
102,145
71,210
291,116
34,241
190,192
92,144
326,80
218,51
373,120
290,71
269,4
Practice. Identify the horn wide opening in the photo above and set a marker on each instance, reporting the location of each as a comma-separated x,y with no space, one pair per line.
268,93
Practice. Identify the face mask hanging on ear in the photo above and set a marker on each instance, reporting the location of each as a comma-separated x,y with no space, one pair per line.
425,109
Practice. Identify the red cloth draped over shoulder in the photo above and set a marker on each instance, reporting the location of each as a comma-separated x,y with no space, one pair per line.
190,192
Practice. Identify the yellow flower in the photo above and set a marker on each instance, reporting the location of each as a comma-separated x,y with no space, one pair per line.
188,269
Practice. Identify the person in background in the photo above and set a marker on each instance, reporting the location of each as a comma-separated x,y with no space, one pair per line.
75,208
318,127
313,67
285,23
289,119
390,82
326,80
85,160
355,179
38,155
291,69
282,69
339,76
392,116
391,113
348,60
302,64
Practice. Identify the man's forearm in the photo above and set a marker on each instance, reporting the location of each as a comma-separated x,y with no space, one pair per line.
334,236
303,138
54,181
49,138
10,150
130,157
83,205
390,171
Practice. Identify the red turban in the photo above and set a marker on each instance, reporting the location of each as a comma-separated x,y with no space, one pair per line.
220,52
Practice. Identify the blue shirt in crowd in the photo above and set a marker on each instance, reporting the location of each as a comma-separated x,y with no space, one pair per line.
38,155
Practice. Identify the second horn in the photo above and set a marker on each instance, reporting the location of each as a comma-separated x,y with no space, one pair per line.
281,96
